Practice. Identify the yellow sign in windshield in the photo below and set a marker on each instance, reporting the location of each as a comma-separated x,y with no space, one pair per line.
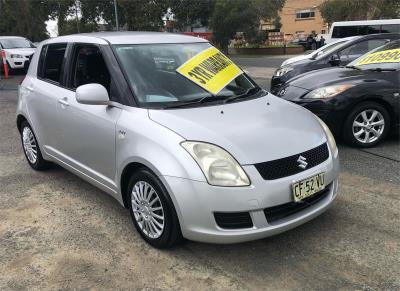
388,56
210,69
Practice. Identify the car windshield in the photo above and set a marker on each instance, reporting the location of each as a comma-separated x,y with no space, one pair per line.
385,58
327,48
10,43
151,70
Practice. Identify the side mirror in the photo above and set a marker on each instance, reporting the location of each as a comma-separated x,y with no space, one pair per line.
92,94
334,60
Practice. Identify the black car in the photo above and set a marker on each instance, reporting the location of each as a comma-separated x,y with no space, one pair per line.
337,55
359,102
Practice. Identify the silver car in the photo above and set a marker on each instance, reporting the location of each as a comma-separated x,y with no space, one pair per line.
178,134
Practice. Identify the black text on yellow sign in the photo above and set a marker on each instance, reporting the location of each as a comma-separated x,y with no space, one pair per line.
387,56
210,69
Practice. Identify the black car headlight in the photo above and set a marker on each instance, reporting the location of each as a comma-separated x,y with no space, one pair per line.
328,91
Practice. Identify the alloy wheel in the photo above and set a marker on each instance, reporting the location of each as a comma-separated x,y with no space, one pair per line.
368,126
30,146
147,209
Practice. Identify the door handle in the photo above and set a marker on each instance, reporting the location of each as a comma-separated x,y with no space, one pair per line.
63,101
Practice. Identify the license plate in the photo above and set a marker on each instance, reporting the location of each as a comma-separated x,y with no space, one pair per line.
308,187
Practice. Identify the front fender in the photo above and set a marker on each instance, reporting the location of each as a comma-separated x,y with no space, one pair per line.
141,140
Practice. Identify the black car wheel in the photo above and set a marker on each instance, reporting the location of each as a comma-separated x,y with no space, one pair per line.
31,148
367,125
152,210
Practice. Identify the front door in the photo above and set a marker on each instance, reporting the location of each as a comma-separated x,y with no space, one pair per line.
88,131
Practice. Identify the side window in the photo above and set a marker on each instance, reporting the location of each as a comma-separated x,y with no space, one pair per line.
361,48
344,31
51,60
393,28
89,67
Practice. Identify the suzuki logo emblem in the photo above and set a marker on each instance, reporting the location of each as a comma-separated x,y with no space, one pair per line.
302,162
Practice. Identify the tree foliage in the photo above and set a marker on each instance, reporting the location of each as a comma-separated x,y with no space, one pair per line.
25,18
144,14
190,12
231,16
345,10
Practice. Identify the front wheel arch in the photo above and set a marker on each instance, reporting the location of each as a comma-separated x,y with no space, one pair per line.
20,120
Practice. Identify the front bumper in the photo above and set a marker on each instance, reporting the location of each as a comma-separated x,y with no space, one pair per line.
19,63
196,202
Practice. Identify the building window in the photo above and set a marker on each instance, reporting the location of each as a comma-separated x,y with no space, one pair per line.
307,13
323,31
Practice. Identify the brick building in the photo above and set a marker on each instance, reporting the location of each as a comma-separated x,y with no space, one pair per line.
299,18
302,17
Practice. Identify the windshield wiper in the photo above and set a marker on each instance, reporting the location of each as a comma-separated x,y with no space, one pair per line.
196,101
248,93
382,69
353,67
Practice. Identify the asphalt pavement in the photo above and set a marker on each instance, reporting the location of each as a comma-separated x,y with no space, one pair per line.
59,232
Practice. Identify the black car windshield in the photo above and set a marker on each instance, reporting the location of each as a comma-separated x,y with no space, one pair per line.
151,73
329,49
384,58
10,43
320,53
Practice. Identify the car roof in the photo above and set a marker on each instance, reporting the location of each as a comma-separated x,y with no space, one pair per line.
5,37
366,22
127,37
360,38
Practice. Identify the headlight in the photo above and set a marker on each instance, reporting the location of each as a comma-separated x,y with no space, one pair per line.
218,166
283,71
327,92
329,137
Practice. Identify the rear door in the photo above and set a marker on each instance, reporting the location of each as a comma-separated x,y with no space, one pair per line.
44,92
88,131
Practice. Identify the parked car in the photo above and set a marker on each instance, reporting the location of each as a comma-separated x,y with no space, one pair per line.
177,133
342,29
19,51
309,55
340,55
360,102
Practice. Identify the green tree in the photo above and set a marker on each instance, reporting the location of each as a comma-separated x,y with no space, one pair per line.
190,12
24,18
144,14
232,16
345,10
96,11
60,10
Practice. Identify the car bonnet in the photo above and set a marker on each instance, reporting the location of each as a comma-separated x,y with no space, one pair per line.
253,131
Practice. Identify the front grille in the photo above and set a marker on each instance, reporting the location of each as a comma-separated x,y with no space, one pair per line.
272,214
290,166
233,220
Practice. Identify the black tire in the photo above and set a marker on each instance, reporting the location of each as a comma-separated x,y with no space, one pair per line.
348,135
39,164
171,233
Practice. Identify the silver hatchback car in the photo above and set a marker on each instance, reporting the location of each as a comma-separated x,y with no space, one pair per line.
177,133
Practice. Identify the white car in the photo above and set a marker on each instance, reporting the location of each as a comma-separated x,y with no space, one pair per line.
319,52
19,51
